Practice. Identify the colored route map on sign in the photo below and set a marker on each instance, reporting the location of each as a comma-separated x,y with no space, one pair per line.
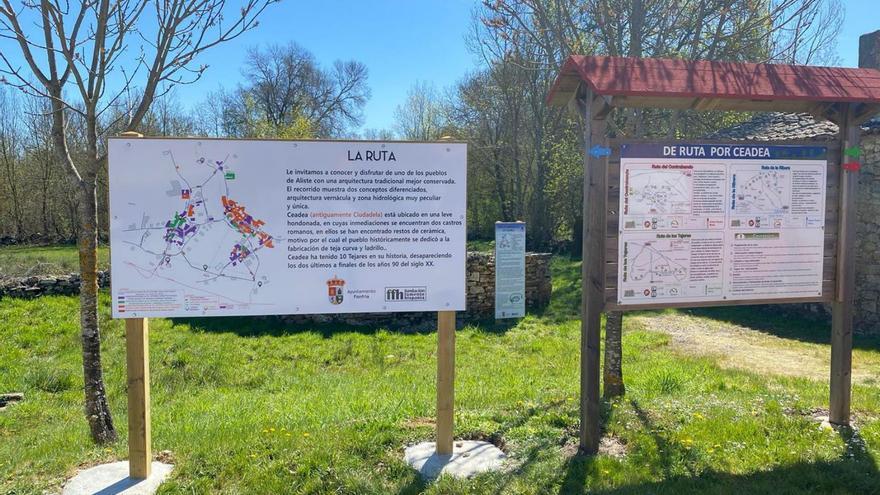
714,222
207,240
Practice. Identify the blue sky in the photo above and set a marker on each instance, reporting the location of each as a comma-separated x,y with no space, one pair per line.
862,16
401,42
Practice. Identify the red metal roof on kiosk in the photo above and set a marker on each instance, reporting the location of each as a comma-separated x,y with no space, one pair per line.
648,82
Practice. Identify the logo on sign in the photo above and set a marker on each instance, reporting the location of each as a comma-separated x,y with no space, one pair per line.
335,291
406,294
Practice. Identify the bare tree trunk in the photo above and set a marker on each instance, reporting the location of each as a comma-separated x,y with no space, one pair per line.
13,179
577,242
613,372
44,198
10,161
97,409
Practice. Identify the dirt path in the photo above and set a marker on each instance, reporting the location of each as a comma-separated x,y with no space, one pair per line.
742,347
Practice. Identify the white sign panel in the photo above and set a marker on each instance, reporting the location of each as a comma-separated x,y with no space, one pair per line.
203,227
720,222
510,270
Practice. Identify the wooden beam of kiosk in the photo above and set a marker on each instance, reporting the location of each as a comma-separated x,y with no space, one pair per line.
842,307
592,271
445,380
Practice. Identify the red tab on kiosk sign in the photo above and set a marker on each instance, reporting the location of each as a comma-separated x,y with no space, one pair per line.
852,166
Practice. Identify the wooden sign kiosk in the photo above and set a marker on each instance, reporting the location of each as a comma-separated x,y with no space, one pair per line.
593,86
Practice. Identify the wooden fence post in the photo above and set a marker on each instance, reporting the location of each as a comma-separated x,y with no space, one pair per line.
842,307
137,359
445,380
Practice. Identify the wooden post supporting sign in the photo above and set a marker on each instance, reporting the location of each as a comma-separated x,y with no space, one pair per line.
137,335
137,353
842,307
592,271
445,380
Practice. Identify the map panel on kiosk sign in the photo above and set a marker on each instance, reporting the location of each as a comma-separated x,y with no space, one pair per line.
706,222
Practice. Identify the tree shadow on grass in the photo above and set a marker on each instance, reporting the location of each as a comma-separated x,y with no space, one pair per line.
497,437
854,472
416,485
772,320
259,326
533,453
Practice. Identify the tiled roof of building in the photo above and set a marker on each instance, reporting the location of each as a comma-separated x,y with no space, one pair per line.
776,126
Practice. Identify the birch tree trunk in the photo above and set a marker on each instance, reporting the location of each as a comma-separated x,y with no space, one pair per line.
78,49
97,409
83,182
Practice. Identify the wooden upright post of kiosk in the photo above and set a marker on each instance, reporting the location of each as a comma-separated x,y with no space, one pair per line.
137,352
445,380
842,307
593,112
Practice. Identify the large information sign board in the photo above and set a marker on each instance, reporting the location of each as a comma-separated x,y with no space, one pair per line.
703,222
204,227
510,270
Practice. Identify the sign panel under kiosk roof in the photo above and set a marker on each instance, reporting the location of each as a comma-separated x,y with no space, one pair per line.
215,227
726,151
706,222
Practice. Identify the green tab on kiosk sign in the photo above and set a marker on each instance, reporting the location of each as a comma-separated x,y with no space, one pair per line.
853,152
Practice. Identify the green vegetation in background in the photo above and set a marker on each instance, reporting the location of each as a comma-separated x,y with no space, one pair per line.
481,246
22,261
258,406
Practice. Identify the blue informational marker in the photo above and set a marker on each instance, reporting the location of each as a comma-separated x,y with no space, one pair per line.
600,151
510,270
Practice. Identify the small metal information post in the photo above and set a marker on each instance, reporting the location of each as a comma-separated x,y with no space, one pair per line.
510,270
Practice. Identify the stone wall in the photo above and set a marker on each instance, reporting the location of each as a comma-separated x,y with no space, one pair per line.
480,292
481,282
45,285
867,304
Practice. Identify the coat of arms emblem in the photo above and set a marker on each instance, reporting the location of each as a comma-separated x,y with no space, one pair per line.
335,290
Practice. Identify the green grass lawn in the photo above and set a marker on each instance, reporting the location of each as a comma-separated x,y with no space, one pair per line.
255,406
22,261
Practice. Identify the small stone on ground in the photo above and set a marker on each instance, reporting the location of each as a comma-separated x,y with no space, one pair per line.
469,457
112,479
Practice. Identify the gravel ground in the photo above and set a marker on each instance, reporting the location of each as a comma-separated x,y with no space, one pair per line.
742,347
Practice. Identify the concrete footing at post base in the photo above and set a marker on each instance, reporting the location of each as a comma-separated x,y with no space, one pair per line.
113,479
469,457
